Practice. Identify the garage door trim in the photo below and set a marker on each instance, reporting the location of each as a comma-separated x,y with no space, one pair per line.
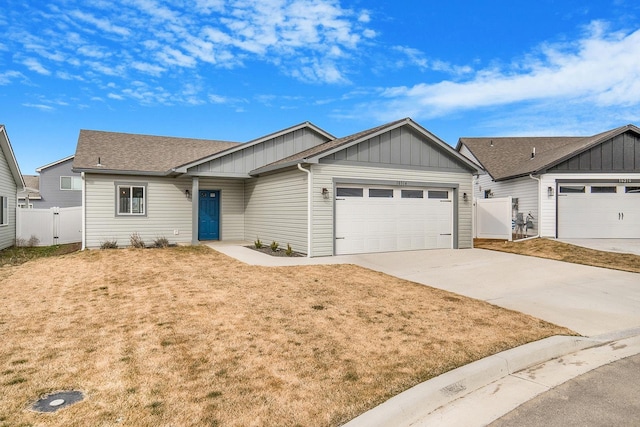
397,183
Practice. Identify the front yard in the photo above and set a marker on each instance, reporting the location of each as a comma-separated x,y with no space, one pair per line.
190,337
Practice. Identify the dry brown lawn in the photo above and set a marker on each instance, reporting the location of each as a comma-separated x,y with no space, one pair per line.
190,337
552,249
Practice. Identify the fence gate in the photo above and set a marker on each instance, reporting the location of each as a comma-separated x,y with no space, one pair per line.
54,226
493,218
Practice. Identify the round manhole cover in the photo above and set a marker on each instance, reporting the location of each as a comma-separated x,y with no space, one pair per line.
58,400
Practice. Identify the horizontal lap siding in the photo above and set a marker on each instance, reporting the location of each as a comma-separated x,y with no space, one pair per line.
231,206
323,212
167,207
524,189
276,209
7,189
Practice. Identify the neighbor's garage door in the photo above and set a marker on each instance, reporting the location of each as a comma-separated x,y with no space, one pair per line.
383,219
607,211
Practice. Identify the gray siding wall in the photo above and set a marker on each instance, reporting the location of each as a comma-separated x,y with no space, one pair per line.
402,146
276,209
323,212
524,189
50,192
258,155
168,209
619,154
8,189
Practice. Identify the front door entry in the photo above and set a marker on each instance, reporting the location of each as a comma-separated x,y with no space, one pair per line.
209,215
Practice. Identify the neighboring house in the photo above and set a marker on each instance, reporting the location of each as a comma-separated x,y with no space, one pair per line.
31,191
10,183
393,187
574,187
58,186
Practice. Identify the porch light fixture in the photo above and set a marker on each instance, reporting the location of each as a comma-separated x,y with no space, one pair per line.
464,197
325,193
550,191
187,193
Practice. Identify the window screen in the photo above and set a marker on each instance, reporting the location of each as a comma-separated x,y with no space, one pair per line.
381,192
632,190
572,188
412,194
349,192
438,194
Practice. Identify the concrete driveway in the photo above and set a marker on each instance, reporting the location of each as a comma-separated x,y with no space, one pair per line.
589,300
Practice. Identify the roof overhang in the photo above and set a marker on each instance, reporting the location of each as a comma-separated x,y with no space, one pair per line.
5,145
57,162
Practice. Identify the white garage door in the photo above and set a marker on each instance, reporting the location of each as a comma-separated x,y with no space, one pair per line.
384,219
607,211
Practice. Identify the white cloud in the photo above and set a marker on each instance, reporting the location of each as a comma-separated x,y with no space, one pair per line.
35,65
102,24
115,96
42,107
172,56
602,68
147,68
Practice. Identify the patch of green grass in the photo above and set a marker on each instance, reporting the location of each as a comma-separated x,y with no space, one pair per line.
16,255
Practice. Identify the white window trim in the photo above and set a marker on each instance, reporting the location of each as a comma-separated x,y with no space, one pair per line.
131,186
76,183
4,205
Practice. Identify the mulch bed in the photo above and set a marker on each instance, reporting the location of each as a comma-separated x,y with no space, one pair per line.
279,252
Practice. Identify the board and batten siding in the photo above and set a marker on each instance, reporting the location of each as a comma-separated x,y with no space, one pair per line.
548,204
258,155
276,209
8,189
167,209
323,211
524,189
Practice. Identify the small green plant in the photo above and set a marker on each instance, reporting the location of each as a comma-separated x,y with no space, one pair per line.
258,244
289,251
161,242
274,246
136,241
109,244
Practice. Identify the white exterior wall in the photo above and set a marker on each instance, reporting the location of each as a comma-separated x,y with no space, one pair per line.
524,189
8,189
276,209
323,210
167,209
549,204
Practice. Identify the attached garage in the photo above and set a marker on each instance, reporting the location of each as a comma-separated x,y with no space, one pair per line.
599,210
378,218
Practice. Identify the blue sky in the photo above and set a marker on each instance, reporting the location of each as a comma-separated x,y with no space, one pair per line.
237,70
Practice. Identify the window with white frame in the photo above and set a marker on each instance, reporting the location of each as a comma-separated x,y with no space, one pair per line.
131,199
70,183
4,210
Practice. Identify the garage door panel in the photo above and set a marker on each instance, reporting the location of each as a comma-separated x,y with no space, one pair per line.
599,215
383,224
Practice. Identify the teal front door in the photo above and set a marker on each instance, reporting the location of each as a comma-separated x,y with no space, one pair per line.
209,215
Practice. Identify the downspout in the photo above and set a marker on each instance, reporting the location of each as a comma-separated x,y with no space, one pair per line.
309,201
84,217
539,210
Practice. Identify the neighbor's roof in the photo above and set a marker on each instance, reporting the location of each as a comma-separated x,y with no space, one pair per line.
57,162
510,157
312,154
31,187
113,152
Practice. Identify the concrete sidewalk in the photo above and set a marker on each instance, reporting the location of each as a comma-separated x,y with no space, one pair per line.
595,302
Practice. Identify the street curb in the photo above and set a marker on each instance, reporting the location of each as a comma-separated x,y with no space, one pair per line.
410,405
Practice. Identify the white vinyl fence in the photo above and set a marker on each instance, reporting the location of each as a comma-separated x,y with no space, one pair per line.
493,218
54,226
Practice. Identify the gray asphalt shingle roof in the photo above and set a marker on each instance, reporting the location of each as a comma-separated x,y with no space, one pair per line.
510,157
140,153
